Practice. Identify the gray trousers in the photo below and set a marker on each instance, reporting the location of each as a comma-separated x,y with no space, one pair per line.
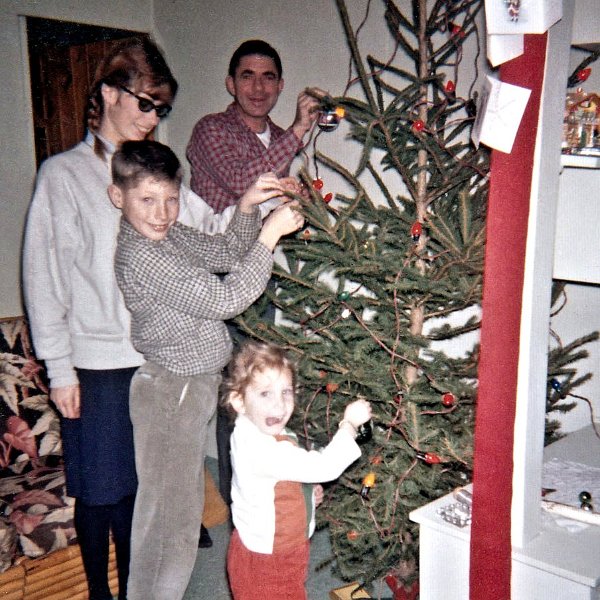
170,415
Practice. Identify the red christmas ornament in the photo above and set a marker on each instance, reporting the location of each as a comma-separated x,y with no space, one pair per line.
457,30
415,231
450,87
331,387
583,74
448,399
429,457
317,184
328,197
418,126
352,535
398,398
432,459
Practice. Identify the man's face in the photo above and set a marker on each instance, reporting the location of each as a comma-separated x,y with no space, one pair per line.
150,208
255,87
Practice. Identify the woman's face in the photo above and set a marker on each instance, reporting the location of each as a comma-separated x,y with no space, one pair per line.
122,119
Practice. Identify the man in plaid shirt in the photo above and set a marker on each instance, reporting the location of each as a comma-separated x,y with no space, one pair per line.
228,150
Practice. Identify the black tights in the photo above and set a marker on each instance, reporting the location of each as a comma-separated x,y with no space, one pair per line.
93,524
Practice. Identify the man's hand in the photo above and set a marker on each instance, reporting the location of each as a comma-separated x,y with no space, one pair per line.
67,400
283,220
307,111
267,186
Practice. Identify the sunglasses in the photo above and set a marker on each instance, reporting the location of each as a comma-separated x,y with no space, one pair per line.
145,105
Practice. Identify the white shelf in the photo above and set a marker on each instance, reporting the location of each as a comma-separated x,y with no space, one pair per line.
560,563
580,161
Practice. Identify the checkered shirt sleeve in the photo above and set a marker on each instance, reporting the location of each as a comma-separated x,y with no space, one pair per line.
177,300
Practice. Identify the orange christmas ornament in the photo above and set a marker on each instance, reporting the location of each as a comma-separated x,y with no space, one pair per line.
340,111
331,387
367,483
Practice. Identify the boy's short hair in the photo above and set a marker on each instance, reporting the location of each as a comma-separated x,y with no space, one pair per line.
136,160
259,47
250,359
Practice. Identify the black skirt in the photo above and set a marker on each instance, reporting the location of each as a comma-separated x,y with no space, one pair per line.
98,447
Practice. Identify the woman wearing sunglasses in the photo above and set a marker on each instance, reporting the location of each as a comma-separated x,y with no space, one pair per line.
79,323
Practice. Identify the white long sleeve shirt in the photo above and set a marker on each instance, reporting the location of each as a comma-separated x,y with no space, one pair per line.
260,463
75,309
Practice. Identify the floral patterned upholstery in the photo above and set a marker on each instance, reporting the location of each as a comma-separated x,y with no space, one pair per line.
36,515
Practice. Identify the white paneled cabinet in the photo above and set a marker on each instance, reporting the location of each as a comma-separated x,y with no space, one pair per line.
561,563
577,241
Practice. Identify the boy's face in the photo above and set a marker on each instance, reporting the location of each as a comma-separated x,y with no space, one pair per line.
150,208
268,401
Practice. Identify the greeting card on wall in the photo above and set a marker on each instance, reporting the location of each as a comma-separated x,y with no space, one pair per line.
499,114
521,16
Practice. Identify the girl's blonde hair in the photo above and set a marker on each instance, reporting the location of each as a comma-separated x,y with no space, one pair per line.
250,359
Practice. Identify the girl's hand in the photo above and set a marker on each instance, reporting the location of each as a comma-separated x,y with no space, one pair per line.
357,413
318,494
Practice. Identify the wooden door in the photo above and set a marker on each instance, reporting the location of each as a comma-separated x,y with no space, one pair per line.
63,58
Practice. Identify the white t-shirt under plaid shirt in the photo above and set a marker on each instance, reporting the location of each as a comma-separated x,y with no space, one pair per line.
178,296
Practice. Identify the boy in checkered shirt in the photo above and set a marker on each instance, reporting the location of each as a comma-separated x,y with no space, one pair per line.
180,285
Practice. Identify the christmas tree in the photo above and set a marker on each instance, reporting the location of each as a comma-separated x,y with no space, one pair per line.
379,295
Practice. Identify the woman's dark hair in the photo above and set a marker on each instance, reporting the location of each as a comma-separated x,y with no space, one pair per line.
255,47
136,160
137,64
